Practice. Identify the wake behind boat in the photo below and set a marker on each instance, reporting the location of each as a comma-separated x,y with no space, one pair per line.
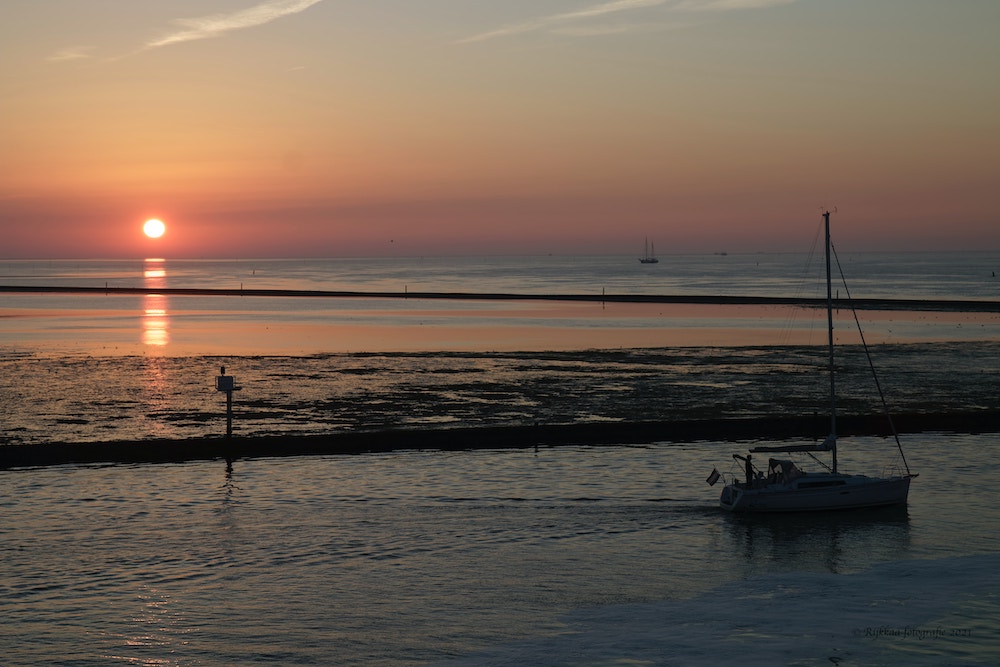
783,487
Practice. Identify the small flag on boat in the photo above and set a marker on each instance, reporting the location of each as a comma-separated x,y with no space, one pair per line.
713,478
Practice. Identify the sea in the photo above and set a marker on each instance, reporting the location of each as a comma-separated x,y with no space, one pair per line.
557,555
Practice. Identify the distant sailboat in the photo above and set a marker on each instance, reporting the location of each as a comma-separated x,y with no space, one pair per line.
649,257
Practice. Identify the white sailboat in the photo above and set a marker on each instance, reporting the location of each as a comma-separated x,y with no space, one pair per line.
647,257
782,486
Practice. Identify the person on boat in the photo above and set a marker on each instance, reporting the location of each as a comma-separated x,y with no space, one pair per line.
749,469
777,471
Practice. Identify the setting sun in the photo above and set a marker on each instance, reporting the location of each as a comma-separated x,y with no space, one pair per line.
154,228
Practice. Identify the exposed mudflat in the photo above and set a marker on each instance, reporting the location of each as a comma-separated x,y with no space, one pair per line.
605,396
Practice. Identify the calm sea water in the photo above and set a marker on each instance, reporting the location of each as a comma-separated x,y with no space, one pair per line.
871,275
565,556
190,325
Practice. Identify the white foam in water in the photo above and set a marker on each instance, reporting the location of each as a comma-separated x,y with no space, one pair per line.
922,612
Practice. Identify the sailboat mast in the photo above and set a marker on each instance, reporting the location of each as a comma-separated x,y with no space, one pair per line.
829,321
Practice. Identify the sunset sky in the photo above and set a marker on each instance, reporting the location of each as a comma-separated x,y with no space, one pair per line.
325,128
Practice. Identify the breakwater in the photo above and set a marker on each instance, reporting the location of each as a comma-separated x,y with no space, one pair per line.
507,437
912,305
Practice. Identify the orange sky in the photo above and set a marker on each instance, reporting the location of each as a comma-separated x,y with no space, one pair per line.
328,128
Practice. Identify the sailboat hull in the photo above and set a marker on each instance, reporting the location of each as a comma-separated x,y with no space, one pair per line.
817,493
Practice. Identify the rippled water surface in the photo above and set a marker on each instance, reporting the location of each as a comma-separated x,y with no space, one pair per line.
417,557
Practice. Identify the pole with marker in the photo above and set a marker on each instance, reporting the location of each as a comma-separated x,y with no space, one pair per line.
227,383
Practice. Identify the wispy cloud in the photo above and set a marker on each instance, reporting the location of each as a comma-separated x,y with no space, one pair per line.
72,53
608,8
727,5
215,25
557,22
542,22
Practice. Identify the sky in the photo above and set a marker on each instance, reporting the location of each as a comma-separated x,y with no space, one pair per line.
330,128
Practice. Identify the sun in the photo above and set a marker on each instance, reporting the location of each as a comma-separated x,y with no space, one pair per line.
154,228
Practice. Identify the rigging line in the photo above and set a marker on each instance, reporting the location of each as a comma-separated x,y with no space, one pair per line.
820,461
871,364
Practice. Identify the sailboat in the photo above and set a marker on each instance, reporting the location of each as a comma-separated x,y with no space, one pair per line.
783,487
647,256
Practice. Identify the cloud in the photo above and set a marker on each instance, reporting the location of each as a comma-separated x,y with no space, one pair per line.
215,25
603,9
554,22
727,5
71,53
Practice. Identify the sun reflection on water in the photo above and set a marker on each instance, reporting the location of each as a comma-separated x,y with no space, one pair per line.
155,320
